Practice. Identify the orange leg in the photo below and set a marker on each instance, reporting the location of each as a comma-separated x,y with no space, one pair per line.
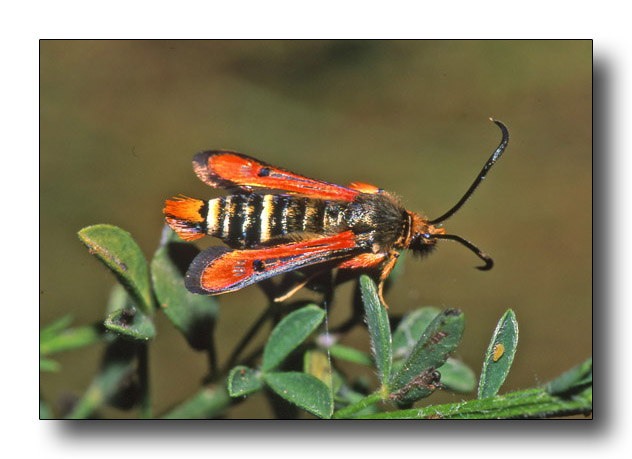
371,260
364,260
297,287
389,264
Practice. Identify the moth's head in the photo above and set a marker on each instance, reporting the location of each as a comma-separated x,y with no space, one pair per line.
423,235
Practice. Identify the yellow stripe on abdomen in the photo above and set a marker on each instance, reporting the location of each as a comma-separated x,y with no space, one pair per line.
213,216
266,214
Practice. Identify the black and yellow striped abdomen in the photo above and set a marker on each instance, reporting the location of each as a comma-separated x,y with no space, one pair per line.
248,220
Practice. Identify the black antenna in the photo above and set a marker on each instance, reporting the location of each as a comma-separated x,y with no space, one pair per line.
489,263
488,165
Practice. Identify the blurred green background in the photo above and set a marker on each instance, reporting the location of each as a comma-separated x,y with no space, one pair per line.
121,120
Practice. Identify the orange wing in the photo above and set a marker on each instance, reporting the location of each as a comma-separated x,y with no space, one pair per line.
220,269
227,169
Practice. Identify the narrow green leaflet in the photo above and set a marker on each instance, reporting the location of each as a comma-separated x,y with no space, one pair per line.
340,351
120,253
49,365
194,315
54,328
410,329
289,333
59,340
499,356
573,380
305,391
243,381
418,376
131,323
379,327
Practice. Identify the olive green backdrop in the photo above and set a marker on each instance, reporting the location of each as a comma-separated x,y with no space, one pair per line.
121,120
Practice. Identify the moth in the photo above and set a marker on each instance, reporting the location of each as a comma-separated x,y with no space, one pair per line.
276,221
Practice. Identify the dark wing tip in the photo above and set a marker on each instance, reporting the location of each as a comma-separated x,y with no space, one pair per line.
206,173
193,278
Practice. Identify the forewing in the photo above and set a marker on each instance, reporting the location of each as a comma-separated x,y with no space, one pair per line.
220,269
227,169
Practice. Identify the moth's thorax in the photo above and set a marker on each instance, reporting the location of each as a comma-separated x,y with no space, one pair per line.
378,220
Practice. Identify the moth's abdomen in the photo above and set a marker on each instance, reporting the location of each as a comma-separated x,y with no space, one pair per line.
236,219
245,221
248,220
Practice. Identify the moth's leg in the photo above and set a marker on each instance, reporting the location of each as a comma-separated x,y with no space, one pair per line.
387,261
387,267
299,286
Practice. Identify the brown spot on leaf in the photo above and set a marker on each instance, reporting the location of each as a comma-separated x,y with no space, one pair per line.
96,249
429,379
437,337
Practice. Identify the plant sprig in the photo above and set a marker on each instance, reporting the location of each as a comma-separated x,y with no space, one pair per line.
302,364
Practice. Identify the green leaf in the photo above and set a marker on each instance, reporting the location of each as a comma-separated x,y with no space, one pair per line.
53,329
571,381
243,381
305,391
379,327
289,333
457,377
417,377
131,323
120,253
350,354
208,403
499,356
59,340
410,329
194,315
49,365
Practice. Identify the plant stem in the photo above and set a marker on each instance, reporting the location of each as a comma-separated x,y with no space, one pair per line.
530,403
358,406
212,361
143,378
